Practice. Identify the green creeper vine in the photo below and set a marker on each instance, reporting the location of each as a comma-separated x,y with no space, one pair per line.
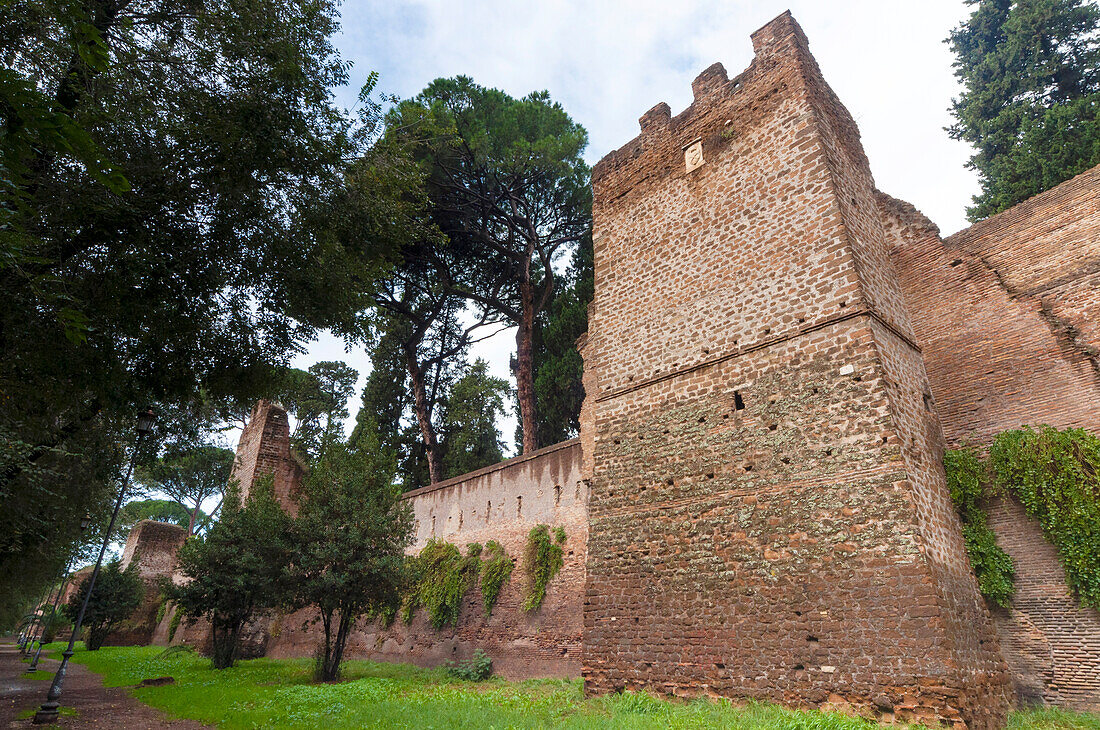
1056,476
161,609
542,559
174,624
444,577
496,569
966,478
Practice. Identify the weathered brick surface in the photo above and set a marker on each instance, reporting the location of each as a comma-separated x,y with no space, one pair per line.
1006,312
768,511
264,449
1003,347
152,546
1052,644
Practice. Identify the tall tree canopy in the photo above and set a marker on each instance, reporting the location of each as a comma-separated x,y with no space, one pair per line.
509,188
189,476
1030,104
469,422
171,173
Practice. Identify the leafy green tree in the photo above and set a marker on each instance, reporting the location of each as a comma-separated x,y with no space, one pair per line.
115,597
558,366
351,532
470,414
317,399
189,476
1030,104
509,188
385,403
169,174
237,570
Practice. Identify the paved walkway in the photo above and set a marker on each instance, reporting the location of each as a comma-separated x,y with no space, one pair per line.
96,706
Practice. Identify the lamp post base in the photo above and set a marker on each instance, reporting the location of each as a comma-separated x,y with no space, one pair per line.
47,713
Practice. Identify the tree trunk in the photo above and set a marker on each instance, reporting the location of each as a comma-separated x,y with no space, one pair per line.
191,521
525,368
424,418
224,644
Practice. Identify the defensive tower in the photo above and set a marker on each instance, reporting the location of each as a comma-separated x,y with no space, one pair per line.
768,510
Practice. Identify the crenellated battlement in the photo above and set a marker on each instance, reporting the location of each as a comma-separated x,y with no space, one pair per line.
720,107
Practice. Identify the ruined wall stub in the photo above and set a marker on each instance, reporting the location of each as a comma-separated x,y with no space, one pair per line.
264,449
768,511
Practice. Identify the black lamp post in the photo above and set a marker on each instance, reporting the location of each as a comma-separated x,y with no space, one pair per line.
50,709
85,521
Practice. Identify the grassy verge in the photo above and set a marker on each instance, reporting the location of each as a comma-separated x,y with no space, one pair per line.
272,693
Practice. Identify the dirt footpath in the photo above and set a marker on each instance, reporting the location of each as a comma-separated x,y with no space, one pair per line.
96,706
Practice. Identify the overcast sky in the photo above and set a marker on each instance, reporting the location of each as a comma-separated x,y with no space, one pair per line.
608,62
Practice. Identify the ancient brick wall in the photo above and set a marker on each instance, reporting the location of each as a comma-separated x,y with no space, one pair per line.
1006,311
264,449
768,515
502,502
1006,314
1052,644
153,545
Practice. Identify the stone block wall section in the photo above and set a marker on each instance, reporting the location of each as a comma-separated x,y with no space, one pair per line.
768,512
1005,312
264,449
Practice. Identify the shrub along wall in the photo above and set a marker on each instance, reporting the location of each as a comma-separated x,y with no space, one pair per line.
1030,505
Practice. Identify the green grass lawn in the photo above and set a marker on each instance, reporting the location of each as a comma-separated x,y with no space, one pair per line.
270,693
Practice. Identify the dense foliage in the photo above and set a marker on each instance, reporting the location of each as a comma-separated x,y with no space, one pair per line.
1030,105
349,541
473,406
967,476
496,570
542,559
117,594
443,575
237,569
168,176
1056,475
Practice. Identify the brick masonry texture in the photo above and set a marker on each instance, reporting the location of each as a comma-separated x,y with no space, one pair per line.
778,356
264,449
1006,313
768,511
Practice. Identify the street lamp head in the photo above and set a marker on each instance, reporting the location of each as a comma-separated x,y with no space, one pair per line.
145,421
85,521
